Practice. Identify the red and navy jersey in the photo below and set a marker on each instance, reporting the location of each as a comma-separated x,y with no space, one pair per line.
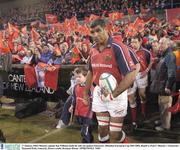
144,57
80,108
114,59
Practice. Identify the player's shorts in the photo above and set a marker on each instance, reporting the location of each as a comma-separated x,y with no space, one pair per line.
138,83
116,107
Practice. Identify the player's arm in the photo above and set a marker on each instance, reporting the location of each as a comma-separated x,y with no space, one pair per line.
149,61
126,82
128,65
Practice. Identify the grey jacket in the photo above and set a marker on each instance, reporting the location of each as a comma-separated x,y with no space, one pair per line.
165,76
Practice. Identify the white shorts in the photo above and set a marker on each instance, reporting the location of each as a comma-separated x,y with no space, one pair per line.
116,108
138,83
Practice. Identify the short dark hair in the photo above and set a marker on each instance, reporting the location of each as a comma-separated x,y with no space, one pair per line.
82,70
98,22
138,37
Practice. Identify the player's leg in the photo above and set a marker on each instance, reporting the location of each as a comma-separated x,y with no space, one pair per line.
142,83
103,126
133,104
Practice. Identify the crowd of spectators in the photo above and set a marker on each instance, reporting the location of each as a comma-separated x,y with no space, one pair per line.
24,14
56,47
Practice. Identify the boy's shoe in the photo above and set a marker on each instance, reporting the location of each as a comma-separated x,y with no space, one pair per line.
160,129
157,122
60,125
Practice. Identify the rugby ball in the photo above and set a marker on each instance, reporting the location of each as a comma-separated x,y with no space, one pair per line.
108,82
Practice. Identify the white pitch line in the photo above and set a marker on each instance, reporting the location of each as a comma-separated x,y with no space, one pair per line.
44,136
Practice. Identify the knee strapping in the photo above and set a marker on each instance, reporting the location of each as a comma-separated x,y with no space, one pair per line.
103,120
115,126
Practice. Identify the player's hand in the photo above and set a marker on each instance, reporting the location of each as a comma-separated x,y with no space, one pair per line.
104,91
86,99
105,95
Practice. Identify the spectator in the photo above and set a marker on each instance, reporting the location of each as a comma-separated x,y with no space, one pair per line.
164,82
66,115
65,53
83,112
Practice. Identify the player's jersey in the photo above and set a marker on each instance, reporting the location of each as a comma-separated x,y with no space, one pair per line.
114,59
144,57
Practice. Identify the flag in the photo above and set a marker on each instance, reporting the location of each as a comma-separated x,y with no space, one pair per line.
115,29
3,48
115,16
172,14
93,17
47,75
75,55
51,77
41,75
30,76
13,30
34,35
58,27
139,24
51,18
130,30
73,22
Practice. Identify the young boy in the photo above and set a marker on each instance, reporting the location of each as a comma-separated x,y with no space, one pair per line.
82,112
66,115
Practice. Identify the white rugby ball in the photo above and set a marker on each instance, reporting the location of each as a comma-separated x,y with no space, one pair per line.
108,82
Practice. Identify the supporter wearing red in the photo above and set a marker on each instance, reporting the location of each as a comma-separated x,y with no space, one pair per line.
141,81
83,112
66,115
112,57
164,82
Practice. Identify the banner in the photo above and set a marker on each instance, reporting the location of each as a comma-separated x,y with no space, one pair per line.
173,15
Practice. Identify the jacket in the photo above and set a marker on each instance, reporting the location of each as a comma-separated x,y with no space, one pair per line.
165,76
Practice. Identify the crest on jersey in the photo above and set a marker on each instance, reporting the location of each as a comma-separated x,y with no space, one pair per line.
108,57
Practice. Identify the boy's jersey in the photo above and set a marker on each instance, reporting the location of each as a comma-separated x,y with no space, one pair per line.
114,59
81,109
144,57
